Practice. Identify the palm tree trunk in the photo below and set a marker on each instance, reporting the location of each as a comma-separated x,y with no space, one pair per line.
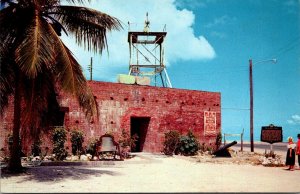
15,152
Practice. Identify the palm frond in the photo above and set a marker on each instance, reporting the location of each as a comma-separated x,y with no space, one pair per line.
67,69
56,25
40,107
70,77
77,1
89,26
88,103
35,95
73,81
8,28
36,49
7,80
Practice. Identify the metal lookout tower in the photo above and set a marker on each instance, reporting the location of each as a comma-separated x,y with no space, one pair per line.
146,55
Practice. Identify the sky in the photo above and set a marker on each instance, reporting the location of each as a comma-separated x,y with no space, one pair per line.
208,47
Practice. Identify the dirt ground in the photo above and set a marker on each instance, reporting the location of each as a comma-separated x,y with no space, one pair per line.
155,173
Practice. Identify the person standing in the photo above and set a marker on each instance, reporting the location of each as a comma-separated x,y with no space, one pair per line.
298,150
290,155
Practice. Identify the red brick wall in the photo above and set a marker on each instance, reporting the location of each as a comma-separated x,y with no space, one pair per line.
168,109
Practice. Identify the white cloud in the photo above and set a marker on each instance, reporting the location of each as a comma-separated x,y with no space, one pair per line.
291,6
295,119
180,44
191,4
220,21
218,34
291,3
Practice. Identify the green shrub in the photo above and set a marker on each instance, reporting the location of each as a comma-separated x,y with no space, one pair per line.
91,148
204,148
127,140
171,142
127,143
188,145
218,140
77,140
59,137
269,154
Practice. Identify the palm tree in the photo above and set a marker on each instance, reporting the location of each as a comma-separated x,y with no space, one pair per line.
36,64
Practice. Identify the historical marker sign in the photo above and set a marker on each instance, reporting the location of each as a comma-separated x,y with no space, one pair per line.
210,123
271,134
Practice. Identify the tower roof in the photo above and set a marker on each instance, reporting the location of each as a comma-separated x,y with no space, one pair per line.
139,37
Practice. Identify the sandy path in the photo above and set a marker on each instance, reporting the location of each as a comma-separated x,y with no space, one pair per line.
154,173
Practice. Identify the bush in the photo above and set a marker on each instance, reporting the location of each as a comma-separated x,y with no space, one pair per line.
77,140
188,145
127,140
171,142
59,137
218,140
127,143
269,154
204,148
91,148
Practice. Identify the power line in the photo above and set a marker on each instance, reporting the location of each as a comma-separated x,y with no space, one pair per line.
289,46
235,109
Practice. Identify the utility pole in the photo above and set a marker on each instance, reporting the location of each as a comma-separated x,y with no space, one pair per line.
251,98
90,68
251,105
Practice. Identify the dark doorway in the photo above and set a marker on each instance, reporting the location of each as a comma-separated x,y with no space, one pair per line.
55,114
59,119
139,126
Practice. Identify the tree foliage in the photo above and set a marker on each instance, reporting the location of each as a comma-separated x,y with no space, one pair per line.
91,147
171,142
77,139
59,138
36,64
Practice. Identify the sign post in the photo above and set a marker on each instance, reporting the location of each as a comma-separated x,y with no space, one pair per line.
271,134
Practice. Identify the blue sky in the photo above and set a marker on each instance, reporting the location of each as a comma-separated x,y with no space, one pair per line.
208,47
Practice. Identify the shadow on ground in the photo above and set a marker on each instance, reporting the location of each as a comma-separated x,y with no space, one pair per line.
58,173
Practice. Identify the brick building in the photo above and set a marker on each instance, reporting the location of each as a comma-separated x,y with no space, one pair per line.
145,110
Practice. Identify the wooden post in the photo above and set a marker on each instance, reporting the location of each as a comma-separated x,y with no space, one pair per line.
242,134
91,70
251,105
271,147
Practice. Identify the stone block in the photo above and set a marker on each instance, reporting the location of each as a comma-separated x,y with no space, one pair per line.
126,79
145,81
